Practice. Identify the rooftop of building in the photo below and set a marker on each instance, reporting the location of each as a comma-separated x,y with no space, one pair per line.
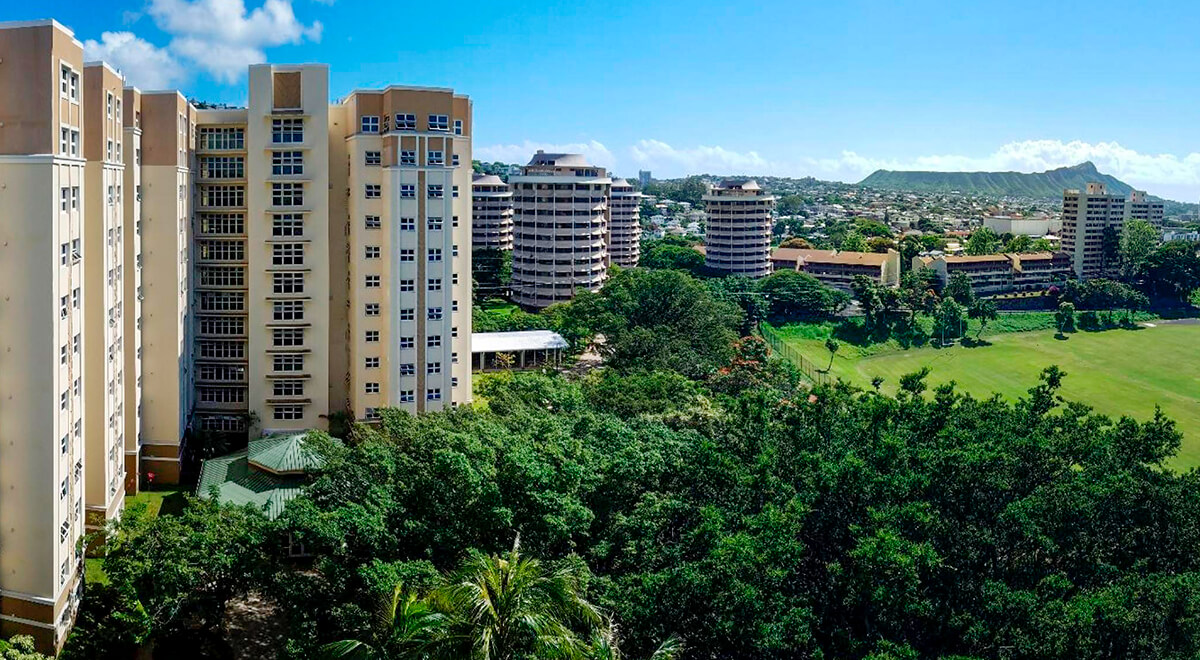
486,180
267,474
512,342
558,160
812,256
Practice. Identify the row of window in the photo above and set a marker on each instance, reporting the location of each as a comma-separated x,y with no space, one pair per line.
409,191
406,121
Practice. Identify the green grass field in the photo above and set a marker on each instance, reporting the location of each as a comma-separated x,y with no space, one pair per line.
1117,372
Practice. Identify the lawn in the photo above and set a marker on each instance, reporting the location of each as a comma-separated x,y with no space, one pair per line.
1117,372
158,502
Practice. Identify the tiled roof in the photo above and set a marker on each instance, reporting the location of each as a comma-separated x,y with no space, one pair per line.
282,454
265,475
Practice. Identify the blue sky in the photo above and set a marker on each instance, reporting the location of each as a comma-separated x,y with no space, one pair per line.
830,89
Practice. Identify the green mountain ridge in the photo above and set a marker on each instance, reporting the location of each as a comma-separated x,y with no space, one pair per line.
1048,184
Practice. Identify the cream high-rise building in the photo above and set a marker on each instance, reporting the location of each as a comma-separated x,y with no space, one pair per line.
132,317
103,309
168,124
560,228
43,342
625,226
1087,214
1141,207
738,237
405,162
491,214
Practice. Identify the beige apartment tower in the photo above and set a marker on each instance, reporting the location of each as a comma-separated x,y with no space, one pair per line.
1140,207
103,308
405,166
560,228
738,238
491,213
1087,215
625,226
46,348
167,123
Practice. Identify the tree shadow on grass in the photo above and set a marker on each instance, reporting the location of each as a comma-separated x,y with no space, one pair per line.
172,505
971,342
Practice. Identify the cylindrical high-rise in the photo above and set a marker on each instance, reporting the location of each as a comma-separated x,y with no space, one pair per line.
560,223
738,237
491,213
625,229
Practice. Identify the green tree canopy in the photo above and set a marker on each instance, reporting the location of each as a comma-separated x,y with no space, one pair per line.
794,295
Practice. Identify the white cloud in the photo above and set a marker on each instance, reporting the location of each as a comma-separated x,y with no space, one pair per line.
223,38
716,160
596,152
143,63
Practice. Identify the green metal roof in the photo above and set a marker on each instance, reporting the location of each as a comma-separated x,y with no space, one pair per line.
266,475
283,454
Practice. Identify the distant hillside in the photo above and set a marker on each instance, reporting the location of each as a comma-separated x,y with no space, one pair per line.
1049,184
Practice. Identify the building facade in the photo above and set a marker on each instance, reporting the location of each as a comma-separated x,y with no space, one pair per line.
993,274
491,213
43,265
103,309
625,226
1141,207
738,238
132,291
560,227
1092,224
838,269
407,153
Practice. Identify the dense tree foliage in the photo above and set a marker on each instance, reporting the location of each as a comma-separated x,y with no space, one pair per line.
672,257
982,241
793,295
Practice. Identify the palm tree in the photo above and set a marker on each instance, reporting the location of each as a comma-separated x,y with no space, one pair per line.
407,627
605,646
505,607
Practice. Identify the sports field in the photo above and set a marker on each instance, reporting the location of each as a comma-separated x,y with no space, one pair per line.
1117,372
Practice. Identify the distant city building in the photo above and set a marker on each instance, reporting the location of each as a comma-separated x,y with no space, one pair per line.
1022,226
738,239
1087,214
1190,236
492,213
644,177
992,274
560,225
837,269
624,227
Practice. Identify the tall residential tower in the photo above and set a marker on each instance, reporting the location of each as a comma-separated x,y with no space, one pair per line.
738,238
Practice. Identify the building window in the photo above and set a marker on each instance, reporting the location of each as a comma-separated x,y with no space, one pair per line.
435,313
216,138
406,122
287,194
408,314
287,131
220,196
371,252
222,301
435,284
435,158
408,224
288,362
435,223
435,341
287,254
287,283
434,255
455,192
371,309
407,342
370,124
407,285
221,250
408,254
373,191
372,282
287,310
408,157
458,127
371,388
454,160
223,167
372,222
287,224
372,158
285,337
287,163
288,388
408,191
433,368
436,191
288,413
439,122
371,362
371,336
408,369
222,223
433,394
407,396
